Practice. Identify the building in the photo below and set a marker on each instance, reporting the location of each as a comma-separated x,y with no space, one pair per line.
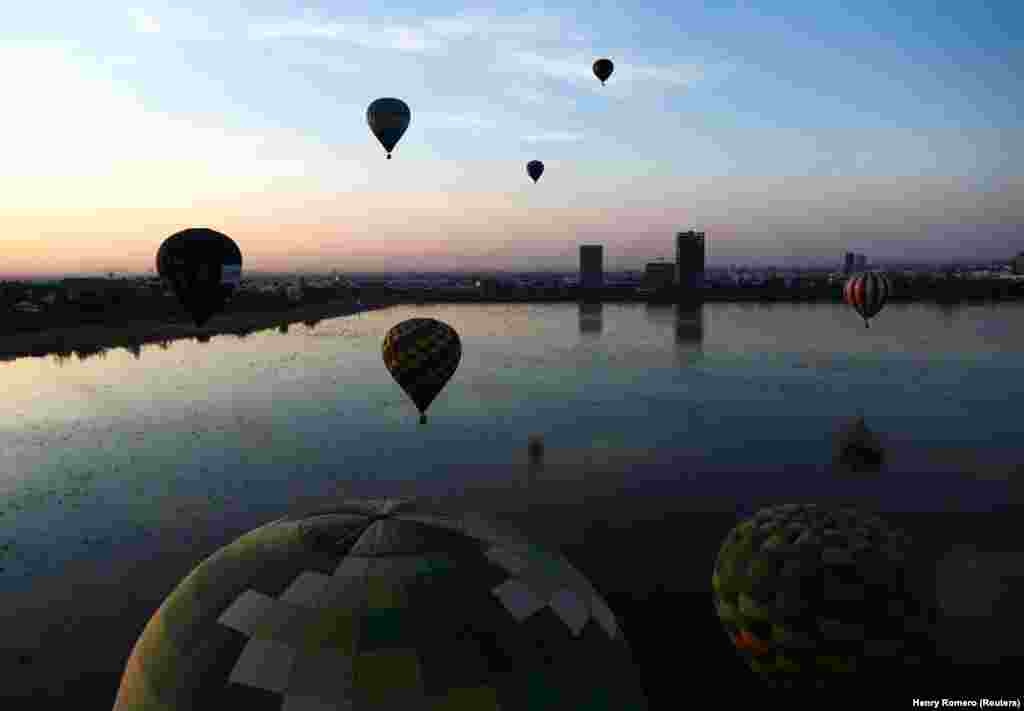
658,276
99,291
591,266
1017,264
690,260
853,262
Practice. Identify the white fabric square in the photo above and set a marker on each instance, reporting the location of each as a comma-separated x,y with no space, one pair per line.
306,589
264,664
247,612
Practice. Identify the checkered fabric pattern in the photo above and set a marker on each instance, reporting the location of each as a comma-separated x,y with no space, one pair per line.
805,592
422,354
382,605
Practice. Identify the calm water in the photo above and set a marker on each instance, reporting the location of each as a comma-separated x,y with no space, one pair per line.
728,406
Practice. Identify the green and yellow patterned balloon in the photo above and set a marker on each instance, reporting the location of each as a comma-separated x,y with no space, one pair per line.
382,605
422,354
813,597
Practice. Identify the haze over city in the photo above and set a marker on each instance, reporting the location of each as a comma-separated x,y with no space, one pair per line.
899,139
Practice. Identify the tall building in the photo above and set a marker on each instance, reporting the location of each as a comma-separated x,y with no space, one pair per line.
690,260
591,266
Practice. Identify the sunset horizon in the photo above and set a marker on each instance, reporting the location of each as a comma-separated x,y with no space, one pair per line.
901,140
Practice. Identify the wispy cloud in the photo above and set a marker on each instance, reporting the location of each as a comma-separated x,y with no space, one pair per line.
121,60
102,154
304,55
143,21
465,121
489,26
502,33
577,69
403,38
554,137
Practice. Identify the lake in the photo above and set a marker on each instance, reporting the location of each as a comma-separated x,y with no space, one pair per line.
121,471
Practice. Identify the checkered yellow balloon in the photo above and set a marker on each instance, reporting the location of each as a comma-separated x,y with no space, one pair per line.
422,354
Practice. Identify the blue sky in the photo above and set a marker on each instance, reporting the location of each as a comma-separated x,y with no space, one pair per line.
791,130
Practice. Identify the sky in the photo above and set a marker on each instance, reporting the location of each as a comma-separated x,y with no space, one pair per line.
789,131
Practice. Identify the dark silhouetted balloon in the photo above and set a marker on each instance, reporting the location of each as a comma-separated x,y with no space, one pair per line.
867,293
422,354
203,267
603,69
388,119
535,169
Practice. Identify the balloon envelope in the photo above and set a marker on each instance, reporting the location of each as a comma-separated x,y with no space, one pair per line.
388,119
422,354
203,267
603,69
384,604
867,293
535,169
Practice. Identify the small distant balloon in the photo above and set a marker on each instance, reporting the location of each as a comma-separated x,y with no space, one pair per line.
535,169
203,267
603,69
867,294
422,354
388,119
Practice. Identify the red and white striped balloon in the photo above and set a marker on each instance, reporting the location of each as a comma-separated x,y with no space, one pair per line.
867,293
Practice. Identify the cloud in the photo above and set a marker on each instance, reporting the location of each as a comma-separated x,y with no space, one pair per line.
401,38
502,34
577,69
533,96
466,121
144,23
554,137
119,151
123,60
305,55
488,26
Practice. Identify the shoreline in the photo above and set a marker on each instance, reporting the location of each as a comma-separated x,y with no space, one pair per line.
92,338
132,335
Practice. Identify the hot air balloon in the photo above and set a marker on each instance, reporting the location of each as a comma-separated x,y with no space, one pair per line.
603,69
819,597
867,293
203,267
535,169
392,604
388,119
422,354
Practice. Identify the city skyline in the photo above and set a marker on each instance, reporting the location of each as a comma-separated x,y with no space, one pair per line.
789,134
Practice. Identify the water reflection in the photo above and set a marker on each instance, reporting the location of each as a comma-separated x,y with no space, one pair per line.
689,324
659,314
948,312
591,318
85,352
